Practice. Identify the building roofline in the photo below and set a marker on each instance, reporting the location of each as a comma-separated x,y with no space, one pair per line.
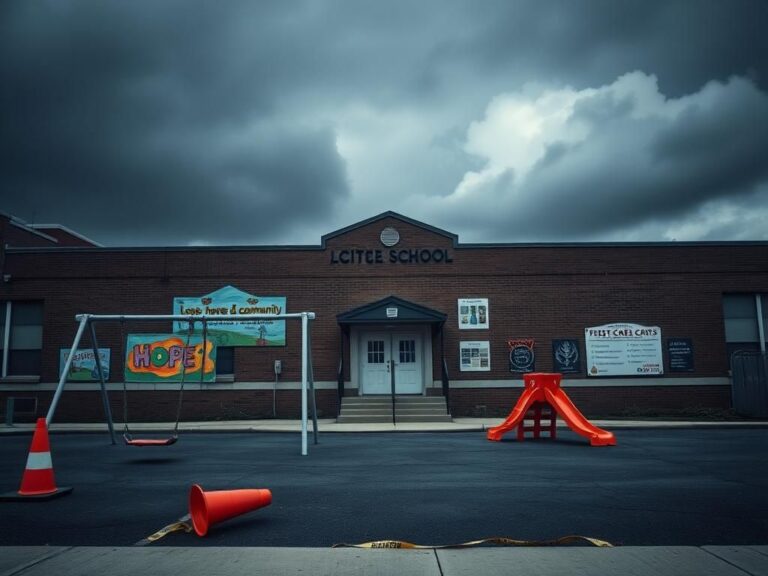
389,214
39,230
107,249
665,243
68,231
316,248
19,223
98,247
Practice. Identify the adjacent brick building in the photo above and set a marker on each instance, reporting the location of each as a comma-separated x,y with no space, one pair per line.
400,301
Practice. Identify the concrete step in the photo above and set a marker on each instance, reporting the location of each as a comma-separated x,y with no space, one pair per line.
372,409
439,401
389,403
428,404
398,409
370,419
399,400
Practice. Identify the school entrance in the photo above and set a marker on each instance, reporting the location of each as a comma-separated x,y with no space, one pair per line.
391,360
390,351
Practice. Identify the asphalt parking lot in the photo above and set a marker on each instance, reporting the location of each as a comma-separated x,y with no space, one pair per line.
656,487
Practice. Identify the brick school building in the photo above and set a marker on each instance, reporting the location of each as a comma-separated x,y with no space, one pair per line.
635,328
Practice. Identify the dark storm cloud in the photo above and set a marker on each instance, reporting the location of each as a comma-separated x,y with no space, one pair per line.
588,42
636,171
187,121
121,132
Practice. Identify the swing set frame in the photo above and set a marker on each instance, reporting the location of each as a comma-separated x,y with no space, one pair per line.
89,321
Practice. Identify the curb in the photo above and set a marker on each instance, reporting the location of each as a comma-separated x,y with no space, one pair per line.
333,428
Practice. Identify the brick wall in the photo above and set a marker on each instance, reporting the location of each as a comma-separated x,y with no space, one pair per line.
539,292
161,406
599,402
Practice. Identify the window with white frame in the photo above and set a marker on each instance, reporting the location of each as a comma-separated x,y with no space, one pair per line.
746,319
21,338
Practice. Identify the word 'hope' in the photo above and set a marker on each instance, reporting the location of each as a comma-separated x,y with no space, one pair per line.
144,356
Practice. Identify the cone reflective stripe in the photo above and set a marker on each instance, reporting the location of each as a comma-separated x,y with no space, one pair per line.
208,508
39,461
38,481
38,476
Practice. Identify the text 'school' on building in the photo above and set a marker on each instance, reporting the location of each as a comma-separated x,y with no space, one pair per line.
636,329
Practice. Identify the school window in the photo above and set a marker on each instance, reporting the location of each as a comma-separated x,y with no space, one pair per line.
746,320
376,352
21,338
407,351
225,360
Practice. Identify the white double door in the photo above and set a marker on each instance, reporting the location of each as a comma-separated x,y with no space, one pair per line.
385,353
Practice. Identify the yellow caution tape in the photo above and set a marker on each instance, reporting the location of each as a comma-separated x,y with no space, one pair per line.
499,541
175,527
184,525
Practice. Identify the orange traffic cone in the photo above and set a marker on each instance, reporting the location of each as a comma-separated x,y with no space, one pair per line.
208,508
38,482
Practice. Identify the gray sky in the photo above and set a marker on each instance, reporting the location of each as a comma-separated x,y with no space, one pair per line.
273,122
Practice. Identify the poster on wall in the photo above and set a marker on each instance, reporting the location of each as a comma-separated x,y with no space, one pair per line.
229,301
83,367
168,358
680,351
475,356
521,356
623,350
566,358
473,313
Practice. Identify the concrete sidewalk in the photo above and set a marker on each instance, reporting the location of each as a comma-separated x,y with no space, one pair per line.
171,561
330,425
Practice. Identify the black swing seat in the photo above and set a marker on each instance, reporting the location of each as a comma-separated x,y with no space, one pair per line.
131,441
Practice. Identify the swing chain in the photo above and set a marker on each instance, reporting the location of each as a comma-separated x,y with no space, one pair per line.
127,433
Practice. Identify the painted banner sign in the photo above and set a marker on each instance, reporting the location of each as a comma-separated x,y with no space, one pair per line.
229,301
165,357
521,356
83,367
623,350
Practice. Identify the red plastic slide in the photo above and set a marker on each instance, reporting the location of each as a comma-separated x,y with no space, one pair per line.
543,387
515,417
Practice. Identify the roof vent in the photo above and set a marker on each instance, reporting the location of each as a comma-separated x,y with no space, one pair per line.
389,236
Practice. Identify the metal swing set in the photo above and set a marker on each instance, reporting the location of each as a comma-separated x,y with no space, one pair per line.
88,321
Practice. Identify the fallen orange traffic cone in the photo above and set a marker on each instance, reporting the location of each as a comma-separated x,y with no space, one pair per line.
208,508
38,482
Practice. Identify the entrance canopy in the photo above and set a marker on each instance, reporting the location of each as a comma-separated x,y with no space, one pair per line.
390,314
391,311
